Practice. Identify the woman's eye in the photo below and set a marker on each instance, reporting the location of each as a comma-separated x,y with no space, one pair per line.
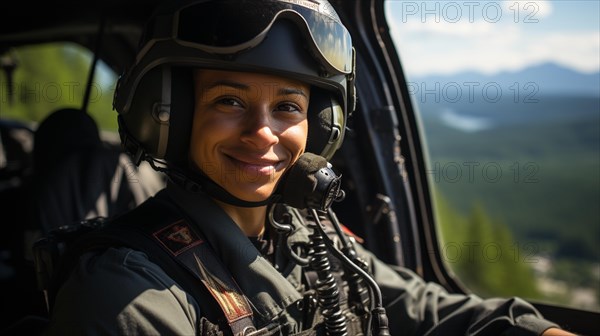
288,108
229,101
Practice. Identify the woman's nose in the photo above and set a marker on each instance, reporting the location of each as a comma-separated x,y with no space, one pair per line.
259,130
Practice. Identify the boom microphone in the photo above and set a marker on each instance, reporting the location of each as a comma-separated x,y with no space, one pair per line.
311,183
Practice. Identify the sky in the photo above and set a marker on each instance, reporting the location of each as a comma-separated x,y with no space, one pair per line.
448,37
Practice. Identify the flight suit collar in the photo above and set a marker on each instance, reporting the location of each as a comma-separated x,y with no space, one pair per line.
268,291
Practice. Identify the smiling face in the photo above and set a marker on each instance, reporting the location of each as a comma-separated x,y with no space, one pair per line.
248,128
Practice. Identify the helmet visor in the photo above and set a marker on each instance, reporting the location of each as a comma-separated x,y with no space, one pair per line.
232,26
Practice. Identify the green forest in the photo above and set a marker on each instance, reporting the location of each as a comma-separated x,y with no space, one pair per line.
529,187
484,254
53,76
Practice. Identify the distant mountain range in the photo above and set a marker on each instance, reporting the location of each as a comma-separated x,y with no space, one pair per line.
548,78
548,93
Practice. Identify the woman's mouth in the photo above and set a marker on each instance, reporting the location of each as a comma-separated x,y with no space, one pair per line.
255,167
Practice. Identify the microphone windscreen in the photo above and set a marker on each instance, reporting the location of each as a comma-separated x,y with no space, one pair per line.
300,181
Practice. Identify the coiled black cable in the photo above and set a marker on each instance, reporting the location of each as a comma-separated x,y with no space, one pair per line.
378,321
327,288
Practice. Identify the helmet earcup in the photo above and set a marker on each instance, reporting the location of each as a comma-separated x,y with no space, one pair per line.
161,103
326,124
140,120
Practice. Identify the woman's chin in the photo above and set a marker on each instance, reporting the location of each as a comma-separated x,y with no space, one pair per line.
253,194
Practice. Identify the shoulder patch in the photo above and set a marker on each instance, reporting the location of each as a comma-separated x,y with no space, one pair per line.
177,237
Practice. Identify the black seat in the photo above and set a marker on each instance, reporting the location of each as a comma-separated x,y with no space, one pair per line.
75,176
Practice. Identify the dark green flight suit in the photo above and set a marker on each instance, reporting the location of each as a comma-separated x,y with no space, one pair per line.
120,292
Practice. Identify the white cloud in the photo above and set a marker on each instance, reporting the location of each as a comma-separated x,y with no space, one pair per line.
579,51
447,48
460,47
461,28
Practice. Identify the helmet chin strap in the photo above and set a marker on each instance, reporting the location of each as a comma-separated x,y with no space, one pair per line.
195,181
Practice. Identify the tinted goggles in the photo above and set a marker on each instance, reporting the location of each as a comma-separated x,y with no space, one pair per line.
231,26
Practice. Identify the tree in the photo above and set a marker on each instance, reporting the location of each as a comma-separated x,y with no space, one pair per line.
489,262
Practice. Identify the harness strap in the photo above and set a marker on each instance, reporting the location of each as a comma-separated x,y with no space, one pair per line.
192,252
